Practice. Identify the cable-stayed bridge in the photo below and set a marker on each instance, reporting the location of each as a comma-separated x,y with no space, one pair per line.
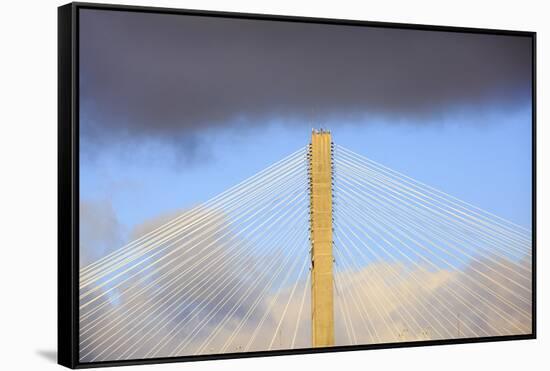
325,247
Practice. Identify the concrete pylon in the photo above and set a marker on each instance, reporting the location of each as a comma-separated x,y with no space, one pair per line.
320,177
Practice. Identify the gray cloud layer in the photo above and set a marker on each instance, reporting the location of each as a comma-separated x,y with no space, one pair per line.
168,76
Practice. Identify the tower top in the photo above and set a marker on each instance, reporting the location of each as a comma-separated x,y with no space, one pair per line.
319,131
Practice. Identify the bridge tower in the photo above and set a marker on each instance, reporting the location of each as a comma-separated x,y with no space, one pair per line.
320,183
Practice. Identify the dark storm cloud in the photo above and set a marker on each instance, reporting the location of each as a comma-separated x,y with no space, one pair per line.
169,76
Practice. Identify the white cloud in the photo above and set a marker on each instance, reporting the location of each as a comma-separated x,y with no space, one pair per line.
382,302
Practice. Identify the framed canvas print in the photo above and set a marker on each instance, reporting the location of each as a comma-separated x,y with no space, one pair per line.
238,185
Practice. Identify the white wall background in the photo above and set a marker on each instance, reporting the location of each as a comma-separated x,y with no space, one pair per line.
28,181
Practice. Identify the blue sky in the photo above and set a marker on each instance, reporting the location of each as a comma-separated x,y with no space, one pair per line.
487,164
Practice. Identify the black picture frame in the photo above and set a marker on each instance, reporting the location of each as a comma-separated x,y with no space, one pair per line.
68,182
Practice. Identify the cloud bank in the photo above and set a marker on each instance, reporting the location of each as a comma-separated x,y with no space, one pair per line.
371,305
168,77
